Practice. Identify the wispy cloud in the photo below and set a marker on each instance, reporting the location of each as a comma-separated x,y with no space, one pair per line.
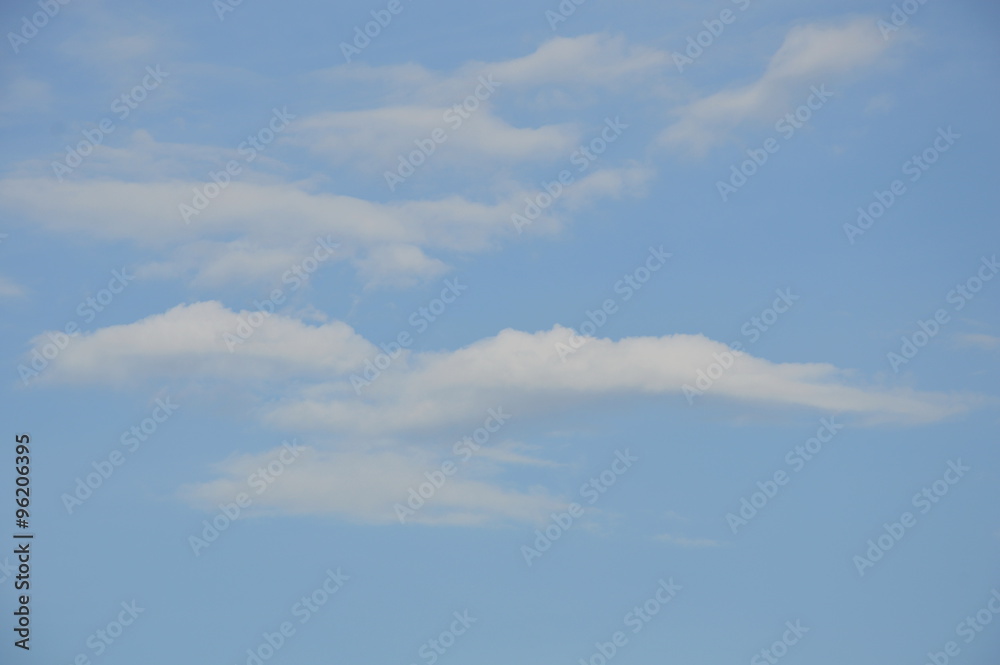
979,341
9,289
365,486
815,53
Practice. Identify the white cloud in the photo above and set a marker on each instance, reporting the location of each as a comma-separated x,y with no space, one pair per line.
281,217
113,45
524,372
9,289
813,54
519,371
389,243
217,263
375,139
592,63
595,60
980,341
560,69
612,183
399,265
189,342
144,159
513,452
366,485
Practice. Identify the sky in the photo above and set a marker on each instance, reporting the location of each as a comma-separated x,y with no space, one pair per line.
584,332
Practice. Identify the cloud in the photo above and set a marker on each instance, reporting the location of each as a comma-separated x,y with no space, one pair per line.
586,63
560,69
595,60
141,158
631,179
515,453
399,265
251,230
189,342
113,45
812,54
368,485
517,370
9,289
283,218
524,372
375,139
217,263
979,341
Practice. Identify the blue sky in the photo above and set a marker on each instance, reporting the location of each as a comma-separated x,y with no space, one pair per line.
470,340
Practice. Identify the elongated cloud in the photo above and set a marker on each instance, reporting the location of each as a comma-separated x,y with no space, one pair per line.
593,63
527,371
207,341
9,289
375,139
530,372
372,486
275,223
812,54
